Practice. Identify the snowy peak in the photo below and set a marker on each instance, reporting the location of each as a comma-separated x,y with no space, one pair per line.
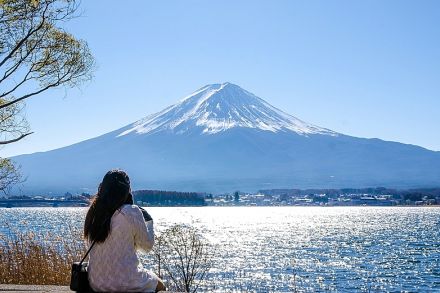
219,107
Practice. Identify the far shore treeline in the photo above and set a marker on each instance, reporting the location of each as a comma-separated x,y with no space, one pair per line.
168,198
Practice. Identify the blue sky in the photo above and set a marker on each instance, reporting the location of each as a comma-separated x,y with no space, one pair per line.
362,68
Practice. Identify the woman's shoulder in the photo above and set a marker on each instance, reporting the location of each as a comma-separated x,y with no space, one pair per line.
128,209
131,211
132,214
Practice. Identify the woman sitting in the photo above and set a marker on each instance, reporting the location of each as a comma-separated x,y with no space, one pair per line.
120,229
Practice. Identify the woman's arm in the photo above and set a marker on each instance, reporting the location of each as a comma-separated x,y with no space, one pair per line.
143,231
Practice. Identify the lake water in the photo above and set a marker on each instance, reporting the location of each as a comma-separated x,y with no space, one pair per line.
280,249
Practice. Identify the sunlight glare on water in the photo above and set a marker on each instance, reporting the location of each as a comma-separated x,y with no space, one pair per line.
280,249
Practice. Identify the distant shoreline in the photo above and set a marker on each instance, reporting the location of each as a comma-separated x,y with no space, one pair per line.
5,205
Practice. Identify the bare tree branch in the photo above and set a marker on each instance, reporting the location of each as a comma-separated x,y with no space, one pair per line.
15,139
26,96
185,257
26,37
21,60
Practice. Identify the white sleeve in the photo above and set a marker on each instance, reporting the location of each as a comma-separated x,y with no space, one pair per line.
143,231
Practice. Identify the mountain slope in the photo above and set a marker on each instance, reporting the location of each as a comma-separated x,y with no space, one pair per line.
223,138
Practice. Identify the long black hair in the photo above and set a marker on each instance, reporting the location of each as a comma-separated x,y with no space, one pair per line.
113,192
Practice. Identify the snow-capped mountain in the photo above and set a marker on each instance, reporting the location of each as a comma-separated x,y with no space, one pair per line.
219,107
224,138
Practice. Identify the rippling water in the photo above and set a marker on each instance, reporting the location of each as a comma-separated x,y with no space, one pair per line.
280,249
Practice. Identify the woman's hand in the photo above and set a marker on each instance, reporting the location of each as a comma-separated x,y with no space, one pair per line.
146,215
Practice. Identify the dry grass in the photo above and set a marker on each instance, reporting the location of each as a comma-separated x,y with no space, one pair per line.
46,259
26,258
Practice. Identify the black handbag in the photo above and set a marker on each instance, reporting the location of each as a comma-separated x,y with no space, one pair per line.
79,279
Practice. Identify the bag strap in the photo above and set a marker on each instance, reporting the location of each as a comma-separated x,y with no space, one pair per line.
94,241
90,248
87,253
